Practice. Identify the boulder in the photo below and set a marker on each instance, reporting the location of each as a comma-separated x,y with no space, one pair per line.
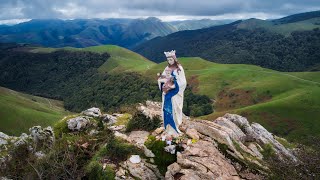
92,112
3,138
109,119
140,170
78,123
150,109
45,135
23,139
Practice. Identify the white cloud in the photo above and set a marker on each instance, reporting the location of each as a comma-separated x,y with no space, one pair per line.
163,9
13,21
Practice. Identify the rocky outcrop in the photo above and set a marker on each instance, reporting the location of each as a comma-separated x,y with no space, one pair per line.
150,109
109,119
259,135
3,138
44,136
78,123
227,148
141,170
92,112
38,138
202,160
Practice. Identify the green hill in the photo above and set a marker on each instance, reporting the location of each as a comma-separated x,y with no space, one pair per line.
121,59
285,103
20,111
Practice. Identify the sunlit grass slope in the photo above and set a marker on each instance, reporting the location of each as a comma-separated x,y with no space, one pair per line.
19,111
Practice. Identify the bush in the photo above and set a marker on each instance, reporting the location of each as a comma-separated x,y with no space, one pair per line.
267,151
141,122
117,150
162,158
196,105
94,171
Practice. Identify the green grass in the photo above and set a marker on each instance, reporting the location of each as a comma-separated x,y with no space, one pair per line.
19,111
121,60
292,109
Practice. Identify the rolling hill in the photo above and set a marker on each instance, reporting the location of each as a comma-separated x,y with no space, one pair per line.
20,111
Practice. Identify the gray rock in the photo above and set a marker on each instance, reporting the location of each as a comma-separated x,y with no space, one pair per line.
264,137
243,124
202,160
170,149
78,123
109,119
93,112
45,135
116,128
120,135
147,152
3,138
150,109
142,170
23,139
93,132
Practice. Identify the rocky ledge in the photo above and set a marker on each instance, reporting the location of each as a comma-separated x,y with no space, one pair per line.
228,147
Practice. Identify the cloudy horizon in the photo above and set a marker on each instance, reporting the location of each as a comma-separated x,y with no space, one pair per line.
16,11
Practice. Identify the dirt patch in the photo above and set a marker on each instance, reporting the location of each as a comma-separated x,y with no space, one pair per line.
237,98
193,82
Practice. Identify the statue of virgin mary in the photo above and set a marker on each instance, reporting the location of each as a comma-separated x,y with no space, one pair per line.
172,96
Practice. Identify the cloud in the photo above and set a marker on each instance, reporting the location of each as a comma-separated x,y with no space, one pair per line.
164,9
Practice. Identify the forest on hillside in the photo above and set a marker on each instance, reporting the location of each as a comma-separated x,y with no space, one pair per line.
226,44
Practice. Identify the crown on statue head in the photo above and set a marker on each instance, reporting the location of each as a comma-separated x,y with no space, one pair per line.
171,53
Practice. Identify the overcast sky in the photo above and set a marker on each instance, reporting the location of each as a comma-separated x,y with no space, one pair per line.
166,10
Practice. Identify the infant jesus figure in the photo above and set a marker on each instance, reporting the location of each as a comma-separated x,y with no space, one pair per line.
167,79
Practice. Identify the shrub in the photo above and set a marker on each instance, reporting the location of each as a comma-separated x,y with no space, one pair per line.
196,105
94,171
117,150
267,151
162,158
141,122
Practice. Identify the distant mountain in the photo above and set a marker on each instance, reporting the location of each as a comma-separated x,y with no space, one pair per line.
297,17
285,47
89,32
197,24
